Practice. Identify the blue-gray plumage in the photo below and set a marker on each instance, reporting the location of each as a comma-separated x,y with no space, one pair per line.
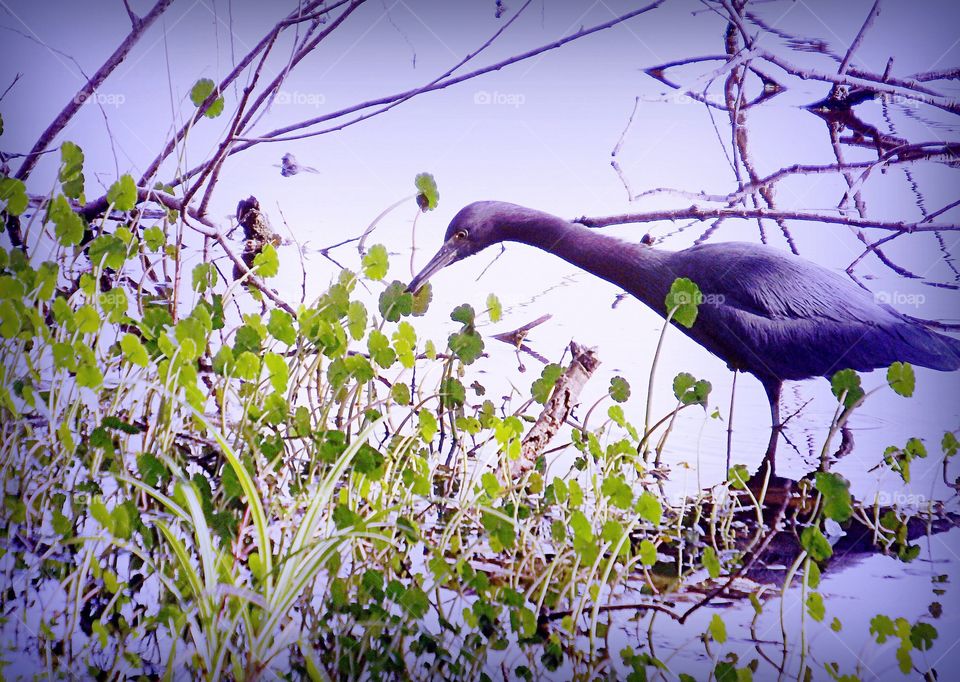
764,311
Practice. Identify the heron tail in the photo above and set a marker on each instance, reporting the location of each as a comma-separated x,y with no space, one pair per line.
928,348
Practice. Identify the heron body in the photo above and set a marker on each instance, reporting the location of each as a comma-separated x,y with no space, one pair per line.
764,311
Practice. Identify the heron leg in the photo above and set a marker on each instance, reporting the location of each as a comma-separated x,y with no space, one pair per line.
772,387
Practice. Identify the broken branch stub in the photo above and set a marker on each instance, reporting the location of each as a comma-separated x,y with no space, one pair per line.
566,395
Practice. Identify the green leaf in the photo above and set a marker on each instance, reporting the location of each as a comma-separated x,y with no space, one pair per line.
620,494
415,602
490,484
881,627
376,262
428,196
69,226
108,251
201,90
717,629
154,238
134,351
87,319
11,288
395,302
452,393
379,347
114,303
151,469
405,341
421,300
815,606
724,671
922,636
619,389
689,391
9,320
123,193
612,532
100,513
501,533
466,345
543,387
279,371
122,521
494,308
711,562
89,376
356,319
463,313
360,368
901,378
580,525
649,508
400,392
846,384
683,298
369,462
836,496
428,425
949,444
247,366
558,531
281,326
267,263
204,277
738,476
812,573
13,196
817,546
648,553
71,170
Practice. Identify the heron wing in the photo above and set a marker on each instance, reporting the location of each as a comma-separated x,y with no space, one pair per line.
770,283
779,314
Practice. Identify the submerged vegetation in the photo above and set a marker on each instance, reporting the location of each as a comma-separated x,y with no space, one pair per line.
324,492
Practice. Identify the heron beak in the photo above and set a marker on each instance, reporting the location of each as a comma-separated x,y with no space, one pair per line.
445,256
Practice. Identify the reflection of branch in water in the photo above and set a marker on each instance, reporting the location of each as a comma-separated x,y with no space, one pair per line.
740,133
921,200
516,338
903,155
770,87
616,150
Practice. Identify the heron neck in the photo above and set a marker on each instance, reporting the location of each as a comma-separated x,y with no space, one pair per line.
636,268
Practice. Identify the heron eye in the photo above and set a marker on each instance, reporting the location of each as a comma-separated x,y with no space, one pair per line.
460,234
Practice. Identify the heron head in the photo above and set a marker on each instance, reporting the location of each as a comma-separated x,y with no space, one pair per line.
473,229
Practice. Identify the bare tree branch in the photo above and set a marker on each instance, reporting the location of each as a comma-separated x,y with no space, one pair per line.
698,213
94,82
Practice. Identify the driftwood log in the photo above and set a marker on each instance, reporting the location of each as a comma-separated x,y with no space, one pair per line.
565,396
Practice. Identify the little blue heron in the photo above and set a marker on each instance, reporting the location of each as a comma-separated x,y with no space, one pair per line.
764,311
